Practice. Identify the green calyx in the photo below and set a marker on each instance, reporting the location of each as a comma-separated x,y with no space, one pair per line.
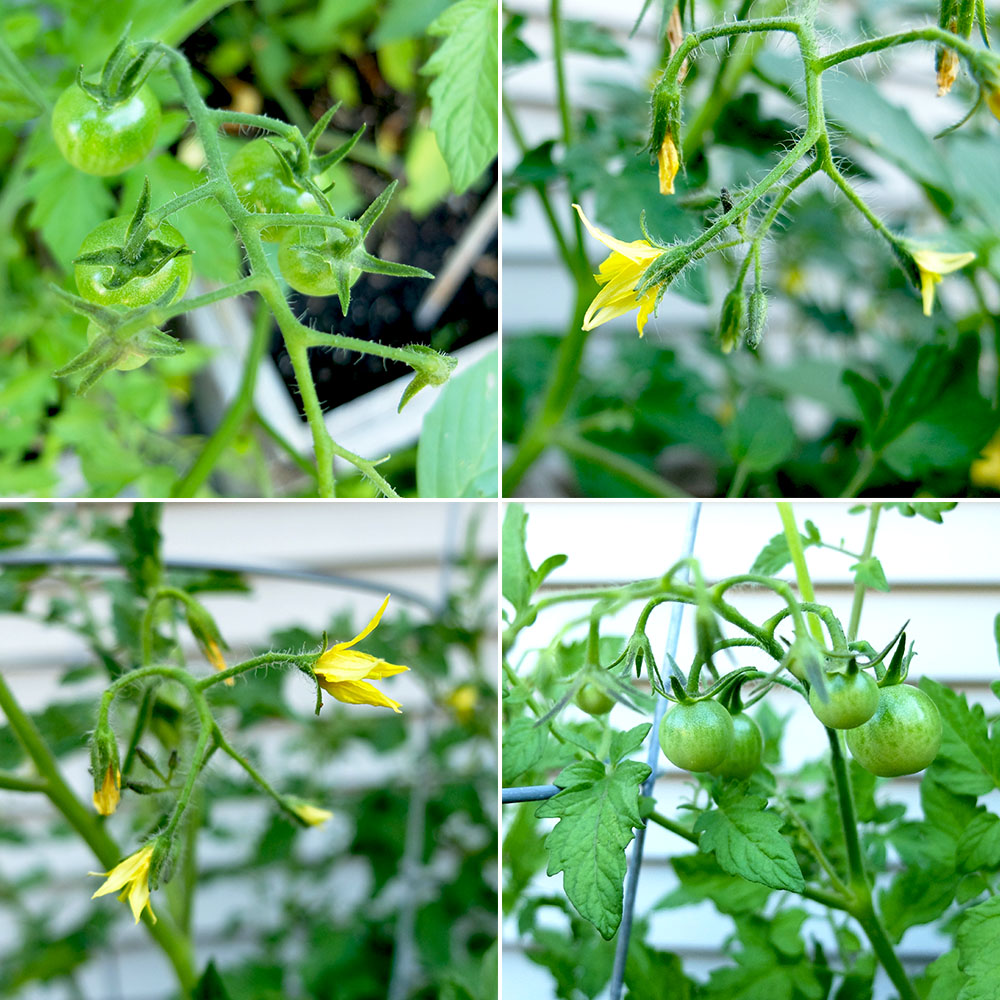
124,72
333,258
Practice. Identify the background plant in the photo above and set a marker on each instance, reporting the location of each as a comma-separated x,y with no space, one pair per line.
392,895
130,431
837,396
825,831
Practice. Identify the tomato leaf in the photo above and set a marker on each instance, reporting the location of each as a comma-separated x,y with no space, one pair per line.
978,945
775,555
464,94
523,746
598,811
869,573
966,762
745,839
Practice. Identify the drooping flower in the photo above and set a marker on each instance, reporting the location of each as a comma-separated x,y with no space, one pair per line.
933,265
464,700
132,877
669,163
107,797
309,814
344,672
985,470
619,276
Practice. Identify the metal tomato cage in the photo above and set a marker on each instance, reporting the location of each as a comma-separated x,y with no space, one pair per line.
537,793
405,966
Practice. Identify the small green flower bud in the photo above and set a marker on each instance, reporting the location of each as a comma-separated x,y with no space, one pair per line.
731,320
161,865
756,319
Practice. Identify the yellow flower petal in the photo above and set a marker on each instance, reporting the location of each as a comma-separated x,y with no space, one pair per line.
369,628
932,264
106,800
131,876
636,251
311,814
359,693
669,164
353,665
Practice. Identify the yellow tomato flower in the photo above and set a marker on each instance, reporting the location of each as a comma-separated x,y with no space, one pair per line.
619,275
669,163
132,877
463,701
310,814
933,265
342,670
985,471
106,800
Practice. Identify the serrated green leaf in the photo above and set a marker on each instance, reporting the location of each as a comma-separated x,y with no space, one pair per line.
457,454
978,942
701,878
915,897
944,978
523,746
622,744
464,94
597,814
979,846
582,36
966,762
869,573
775,555
745,838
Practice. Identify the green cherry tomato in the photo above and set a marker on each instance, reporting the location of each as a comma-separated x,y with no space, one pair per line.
262,186
594,700
112,285
698,736
851,700
745,755
310,265
902,737
105,140
129,361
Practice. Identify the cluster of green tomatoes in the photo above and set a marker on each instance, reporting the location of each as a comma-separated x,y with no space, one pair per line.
892,730
104,132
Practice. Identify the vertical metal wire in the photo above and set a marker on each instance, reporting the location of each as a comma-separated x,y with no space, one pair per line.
652,758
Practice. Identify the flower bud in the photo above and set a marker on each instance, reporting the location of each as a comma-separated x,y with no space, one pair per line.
306,813
731,320
106,770
207,635
756,319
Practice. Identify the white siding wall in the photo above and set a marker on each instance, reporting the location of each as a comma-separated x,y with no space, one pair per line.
400,545
944,578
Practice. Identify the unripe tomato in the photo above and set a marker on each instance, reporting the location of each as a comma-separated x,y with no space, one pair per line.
129,361
902,737
96,282
747,751
105,140
594,700
851,700
262,186
312,262
698,736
